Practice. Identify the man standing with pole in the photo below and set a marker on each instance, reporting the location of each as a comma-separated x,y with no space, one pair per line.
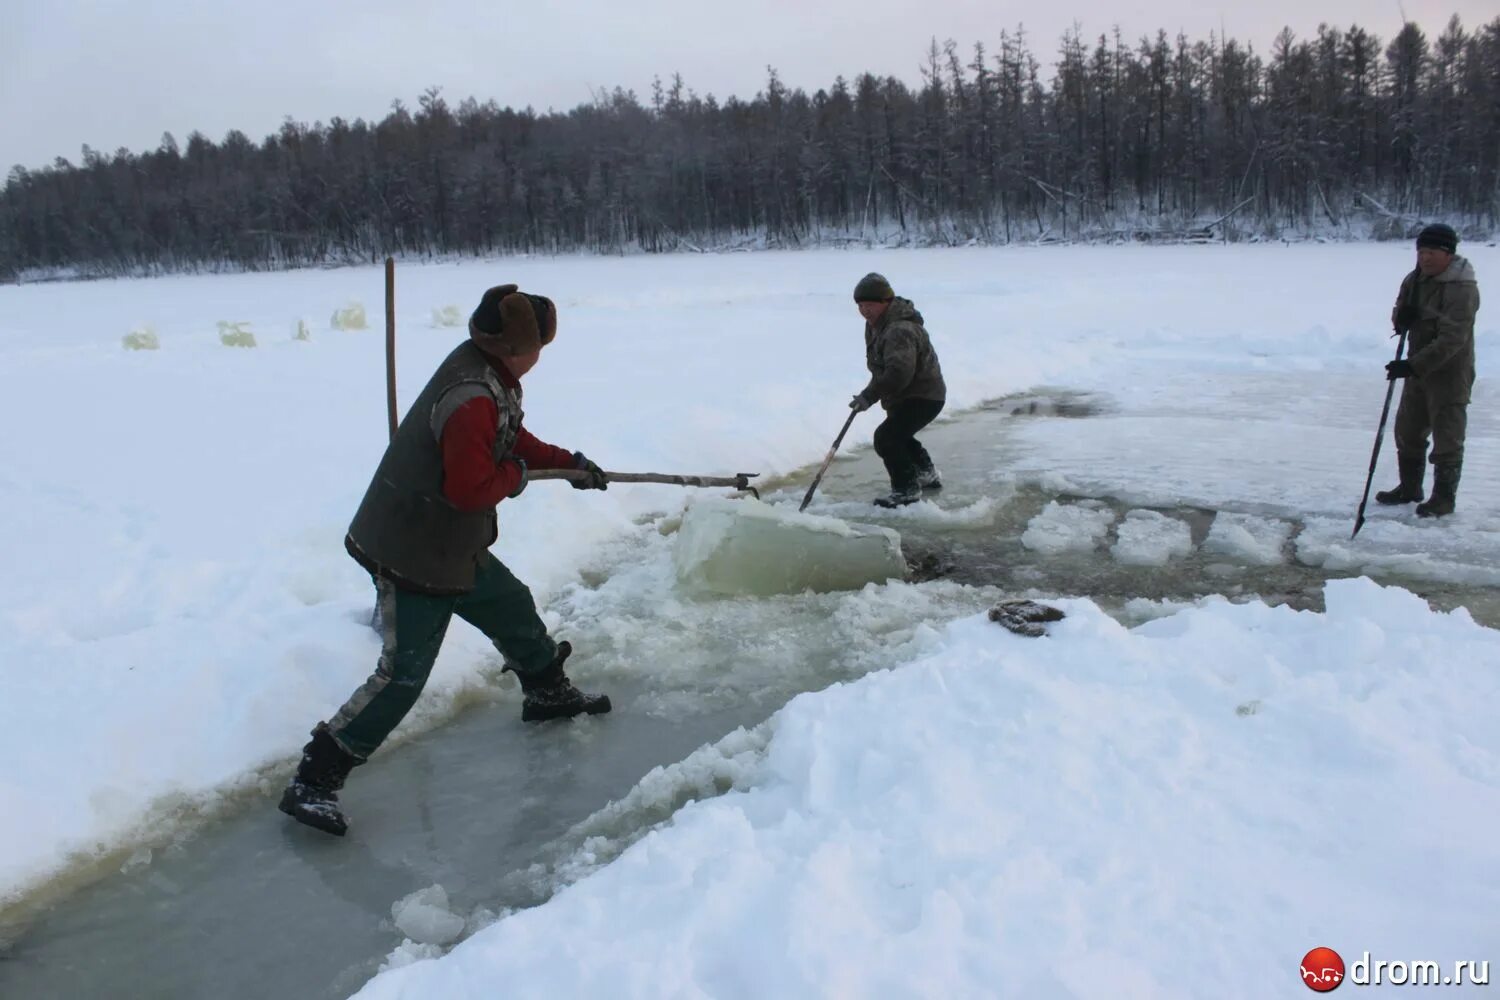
424,531
1437,304
907,380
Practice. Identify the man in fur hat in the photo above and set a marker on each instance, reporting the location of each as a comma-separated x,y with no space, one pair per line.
907,380
424,531
1436,306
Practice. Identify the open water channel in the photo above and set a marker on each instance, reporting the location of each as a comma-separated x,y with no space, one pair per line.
497,811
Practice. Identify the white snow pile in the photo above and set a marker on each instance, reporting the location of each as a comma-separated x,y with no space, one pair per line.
1103,812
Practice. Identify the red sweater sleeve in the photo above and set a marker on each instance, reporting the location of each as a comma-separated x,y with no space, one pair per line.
472,479
539,454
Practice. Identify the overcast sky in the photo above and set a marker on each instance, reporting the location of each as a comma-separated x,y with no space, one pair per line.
114,73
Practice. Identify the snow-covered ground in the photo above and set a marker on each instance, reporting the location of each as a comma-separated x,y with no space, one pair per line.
1104,812
1179,810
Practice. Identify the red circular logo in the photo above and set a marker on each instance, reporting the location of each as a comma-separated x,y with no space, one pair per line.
1322,969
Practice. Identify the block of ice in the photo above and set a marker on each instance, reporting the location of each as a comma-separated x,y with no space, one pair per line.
1063,528
1148,538
351,317
142,338
235,334
425,918
1260,541
747,547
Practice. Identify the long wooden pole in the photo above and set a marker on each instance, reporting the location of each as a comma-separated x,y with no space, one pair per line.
390,341
1385,412
740,481
827,460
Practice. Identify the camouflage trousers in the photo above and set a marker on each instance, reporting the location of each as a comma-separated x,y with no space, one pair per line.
412,626
1440,416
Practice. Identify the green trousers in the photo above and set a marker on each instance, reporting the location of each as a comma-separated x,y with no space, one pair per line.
1441,414
412,628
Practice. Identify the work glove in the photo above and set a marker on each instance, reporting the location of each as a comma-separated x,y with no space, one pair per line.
861,403
519,463
1400,368
597,479
1406,316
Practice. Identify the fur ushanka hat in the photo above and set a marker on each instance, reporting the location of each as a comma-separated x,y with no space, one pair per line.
509,321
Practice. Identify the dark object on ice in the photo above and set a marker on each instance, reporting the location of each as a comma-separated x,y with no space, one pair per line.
928,566
311,798
1025,617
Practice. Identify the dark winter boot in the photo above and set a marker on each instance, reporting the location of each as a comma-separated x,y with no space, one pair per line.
928,478
900,496
1412,467
550,695
311,798
1444,490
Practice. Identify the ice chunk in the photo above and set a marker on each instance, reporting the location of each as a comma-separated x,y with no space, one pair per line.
410,953
1147,538
425,918
1063,528
748,547
142,338
1259,541
235,334
351,317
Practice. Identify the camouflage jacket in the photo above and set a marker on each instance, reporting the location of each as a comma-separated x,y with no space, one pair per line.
1439,313
900,357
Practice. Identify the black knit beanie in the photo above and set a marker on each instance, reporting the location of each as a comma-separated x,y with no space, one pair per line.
873,288
1439,236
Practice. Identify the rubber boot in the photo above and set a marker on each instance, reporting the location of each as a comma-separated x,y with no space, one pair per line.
900,496
1444,490
1412,468
311,797
550,695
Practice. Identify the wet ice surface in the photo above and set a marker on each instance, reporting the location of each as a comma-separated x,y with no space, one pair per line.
1103,527
485,807
499,814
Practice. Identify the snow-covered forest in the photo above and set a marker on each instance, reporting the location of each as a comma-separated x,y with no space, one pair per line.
1099,137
